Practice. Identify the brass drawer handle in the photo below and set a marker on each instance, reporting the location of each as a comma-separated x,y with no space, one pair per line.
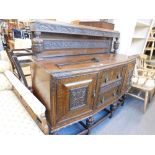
94,94
102,99
106,79
118,76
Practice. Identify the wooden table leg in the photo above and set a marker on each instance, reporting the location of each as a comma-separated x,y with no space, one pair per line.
151,95
146,100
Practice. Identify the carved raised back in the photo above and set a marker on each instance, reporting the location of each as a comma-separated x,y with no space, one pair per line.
50,39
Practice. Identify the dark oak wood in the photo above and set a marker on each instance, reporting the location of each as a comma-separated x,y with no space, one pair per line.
74,76
99,24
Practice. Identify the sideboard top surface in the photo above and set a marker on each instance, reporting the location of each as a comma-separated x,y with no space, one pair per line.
82,62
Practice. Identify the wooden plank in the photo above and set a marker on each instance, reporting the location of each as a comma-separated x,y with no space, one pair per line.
136,96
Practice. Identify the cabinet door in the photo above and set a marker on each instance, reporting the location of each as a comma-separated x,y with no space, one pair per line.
75,97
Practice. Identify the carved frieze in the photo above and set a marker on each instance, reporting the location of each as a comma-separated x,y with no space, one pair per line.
63,44
70,29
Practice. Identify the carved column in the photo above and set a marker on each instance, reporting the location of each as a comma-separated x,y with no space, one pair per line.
116,45
37,44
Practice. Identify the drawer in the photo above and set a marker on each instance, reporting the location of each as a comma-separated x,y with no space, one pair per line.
109,86
108,96
111,75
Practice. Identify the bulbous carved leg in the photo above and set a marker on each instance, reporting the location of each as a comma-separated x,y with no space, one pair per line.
122,99
53,133
89,121
122,104
124,96
111,110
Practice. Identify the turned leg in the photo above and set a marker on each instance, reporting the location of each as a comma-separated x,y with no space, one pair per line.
111,110
123,99
122,103
89,121
151,93
53,133
124,96
146,100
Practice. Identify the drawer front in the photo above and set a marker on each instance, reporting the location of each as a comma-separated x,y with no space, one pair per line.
110,84
111,75
75,97
108,96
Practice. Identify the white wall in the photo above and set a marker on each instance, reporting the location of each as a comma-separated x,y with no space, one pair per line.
133,34
126,29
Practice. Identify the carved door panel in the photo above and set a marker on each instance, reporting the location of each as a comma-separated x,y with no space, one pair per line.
128,75
75,97
109,87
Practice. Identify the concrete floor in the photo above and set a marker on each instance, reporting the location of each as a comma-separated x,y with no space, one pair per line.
129,120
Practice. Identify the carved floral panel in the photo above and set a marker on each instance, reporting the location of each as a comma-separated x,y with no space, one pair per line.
78,97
